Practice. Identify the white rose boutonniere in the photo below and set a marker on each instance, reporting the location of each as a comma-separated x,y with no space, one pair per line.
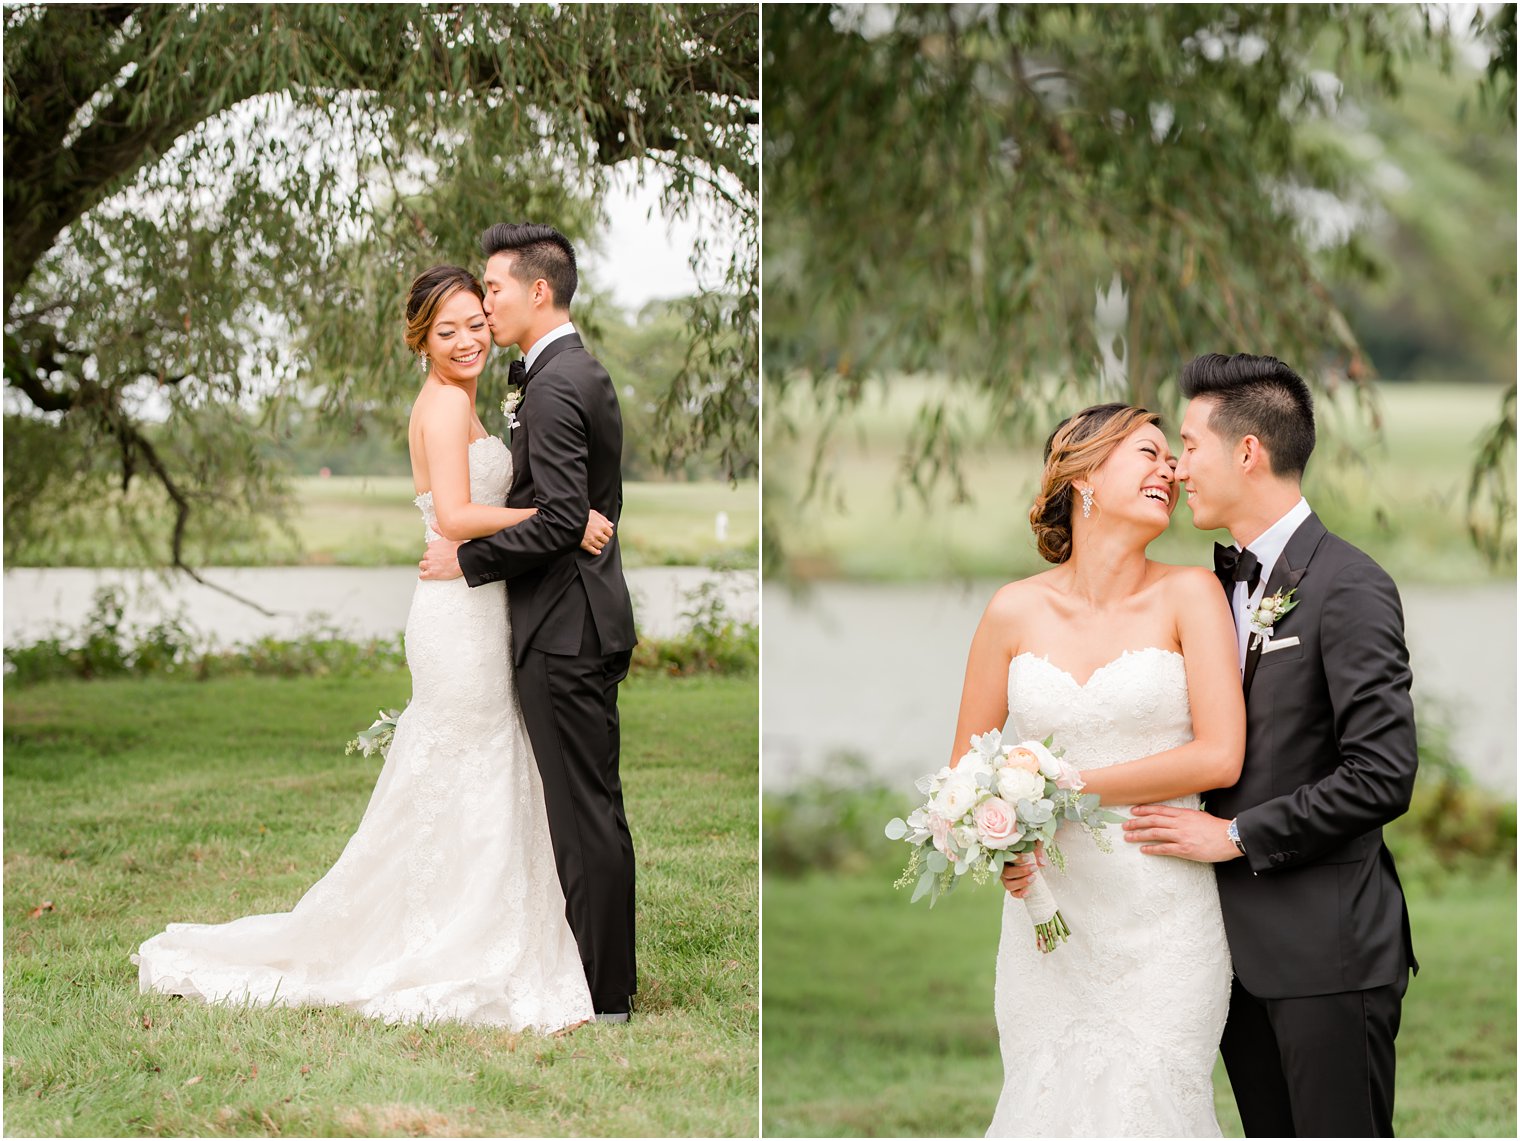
1266,614
509,408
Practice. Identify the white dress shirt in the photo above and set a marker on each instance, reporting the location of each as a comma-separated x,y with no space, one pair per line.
1268,548
543,342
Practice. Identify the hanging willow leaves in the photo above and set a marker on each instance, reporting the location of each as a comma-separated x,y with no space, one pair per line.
1053,204
212,211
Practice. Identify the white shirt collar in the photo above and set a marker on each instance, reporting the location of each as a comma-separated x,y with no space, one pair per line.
1270,544
543,342
1267,548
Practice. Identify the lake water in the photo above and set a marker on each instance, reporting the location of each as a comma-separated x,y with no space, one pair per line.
362,602
875,671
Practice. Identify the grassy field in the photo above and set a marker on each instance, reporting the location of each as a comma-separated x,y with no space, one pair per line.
1401,498
133,803
878,1016
371,521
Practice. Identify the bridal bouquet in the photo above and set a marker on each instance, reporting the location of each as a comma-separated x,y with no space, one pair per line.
377,738
998,800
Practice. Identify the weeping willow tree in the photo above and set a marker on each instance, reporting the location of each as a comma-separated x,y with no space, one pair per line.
1047,205
213,209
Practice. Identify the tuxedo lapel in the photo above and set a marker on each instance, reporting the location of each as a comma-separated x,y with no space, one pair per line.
552,350
519,450
522,475
1290,569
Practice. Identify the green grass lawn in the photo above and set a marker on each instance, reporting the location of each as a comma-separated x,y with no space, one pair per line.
1401,497
130,804
355,520
878,1016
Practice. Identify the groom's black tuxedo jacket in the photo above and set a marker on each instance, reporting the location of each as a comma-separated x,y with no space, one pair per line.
1315,906
567,454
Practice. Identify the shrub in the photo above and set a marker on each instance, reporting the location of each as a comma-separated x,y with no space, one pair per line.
713,643
105,646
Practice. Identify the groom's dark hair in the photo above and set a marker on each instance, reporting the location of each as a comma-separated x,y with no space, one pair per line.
542,252
1256,396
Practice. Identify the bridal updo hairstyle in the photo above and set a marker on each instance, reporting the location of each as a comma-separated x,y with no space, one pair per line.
1075,450
426,296
1255,396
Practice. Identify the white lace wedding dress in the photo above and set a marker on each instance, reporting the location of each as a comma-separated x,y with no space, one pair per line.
1114,1033
445,904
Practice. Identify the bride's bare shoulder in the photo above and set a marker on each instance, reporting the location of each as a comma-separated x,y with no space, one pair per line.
1014,597
1187,581
440,402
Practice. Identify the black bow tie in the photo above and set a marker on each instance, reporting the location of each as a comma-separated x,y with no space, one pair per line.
1233,565
517,373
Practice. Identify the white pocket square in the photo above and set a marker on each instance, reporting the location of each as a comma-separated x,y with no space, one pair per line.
1280,644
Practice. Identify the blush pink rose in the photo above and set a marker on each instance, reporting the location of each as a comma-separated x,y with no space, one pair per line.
997,825
939,829
1071,777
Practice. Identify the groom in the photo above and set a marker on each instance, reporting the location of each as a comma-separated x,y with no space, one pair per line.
1316,920
572,620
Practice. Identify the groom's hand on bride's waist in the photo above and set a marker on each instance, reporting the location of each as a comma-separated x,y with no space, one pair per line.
1186,833
441,561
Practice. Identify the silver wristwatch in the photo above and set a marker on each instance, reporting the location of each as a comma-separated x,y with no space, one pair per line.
1233,832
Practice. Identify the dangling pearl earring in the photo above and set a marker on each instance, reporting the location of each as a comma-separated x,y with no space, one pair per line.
1086,502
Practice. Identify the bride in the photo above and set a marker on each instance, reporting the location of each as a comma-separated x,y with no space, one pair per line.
445,904
1131,665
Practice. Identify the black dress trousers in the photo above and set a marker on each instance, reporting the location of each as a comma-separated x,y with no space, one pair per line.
570,709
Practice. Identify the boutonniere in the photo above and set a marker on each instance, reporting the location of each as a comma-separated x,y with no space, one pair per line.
1267,612
509,408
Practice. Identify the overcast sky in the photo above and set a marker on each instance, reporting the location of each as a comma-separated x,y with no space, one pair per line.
642,256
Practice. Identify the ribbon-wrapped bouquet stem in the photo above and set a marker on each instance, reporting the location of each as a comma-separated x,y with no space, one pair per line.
998,801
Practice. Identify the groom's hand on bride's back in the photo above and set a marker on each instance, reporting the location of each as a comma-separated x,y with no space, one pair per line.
441,561
598,532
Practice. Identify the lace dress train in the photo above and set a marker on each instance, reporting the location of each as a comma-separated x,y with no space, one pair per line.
445,904
1115,1032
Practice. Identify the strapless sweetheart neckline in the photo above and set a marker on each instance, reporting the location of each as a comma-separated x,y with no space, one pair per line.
1105,666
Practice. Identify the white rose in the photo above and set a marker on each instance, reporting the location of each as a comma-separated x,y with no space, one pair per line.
974,764
1050,764
956,796
1015,785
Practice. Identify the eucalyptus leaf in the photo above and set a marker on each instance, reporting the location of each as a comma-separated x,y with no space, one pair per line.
925,882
